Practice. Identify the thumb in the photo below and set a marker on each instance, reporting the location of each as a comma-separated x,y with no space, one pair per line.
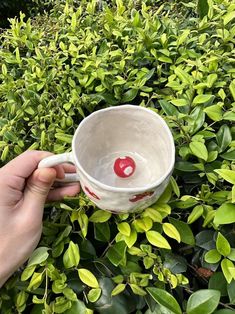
38,187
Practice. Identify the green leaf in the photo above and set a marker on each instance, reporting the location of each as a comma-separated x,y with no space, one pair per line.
150,73
88,278
153,214
4,69
37,300
129,95
202,99
102,231
183,75
185,166
66,138
73,22
212,256
27,272
228,17
35,281
171,231
148,262
195,214
223,137
116,253
233,194
161,206
211,79
70,294
232,87
100,216
226,265
175,186
203,301
77,307
179,102
71,256
10,136
137,290
202,8
124,228
83,223
231,255
164,59
199,150
185,231
131,239
38,256
94,294
225,311
229,115
182,37
225,214
218,282
226,174
118,279
175,263
118,289
231,291
17,51
61,304
198,117
21,299
214,112
229,155
143,224
165,299
156,239
168,108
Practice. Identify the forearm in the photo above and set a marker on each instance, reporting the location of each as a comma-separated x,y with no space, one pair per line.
14,252
5,266
3,280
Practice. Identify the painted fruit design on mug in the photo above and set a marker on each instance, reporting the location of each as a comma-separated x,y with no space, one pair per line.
124,167
139,197
91,193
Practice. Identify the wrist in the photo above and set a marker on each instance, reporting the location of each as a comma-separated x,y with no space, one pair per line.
5,271
3,280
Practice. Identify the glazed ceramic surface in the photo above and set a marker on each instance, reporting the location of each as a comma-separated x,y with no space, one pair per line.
123,138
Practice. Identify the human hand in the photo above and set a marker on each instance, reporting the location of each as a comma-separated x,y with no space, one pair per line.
24,189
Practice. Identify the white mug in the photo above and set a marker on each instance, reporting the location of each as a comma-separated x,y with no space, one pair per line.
128,138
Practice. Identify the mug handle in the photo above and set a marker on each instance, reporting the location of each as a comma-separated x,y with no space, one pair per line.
55,160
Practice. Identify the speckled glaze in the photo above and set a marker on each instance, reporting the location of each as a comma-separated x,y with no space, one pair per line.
114,132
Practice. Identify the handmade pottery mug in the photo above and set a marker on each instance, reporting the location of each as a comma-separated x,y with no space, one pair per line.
124,157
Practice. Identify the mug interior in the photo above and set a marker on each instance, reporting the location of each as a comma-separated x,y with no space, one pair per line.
123,131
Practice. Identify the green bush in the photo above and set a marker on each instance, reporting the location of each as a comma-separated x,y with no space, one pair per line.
177,256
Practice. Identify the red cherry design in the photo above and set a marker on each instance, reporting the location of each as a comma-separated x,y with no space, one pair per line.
124,167
91,193
139,197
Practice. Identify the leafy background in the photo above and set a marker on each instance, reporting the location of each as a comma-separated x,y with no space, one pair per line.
175,58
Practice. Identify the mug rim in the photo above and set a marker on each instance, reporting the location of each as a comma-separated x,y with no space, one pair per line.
106,187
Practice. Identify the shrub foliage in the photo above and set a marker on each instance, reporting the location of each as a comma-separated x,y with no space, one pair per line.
177,256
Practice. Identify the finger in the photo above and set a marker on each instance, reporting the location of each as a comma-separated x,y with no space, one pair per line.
59,193
24,165
59,171
64,168
69,168
37,189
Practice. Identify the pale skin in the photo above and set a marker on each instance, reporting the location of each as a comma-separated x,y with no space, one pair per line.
24,190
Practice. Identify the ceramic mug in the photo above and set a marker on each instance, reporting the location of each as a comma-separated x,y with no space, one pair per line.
126,138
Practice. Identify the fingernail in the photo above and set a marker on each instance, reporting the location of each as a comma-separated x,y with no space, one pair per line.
46,175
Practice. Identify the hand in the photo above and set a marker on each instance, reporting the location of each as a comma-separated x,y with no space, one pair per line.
24,189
